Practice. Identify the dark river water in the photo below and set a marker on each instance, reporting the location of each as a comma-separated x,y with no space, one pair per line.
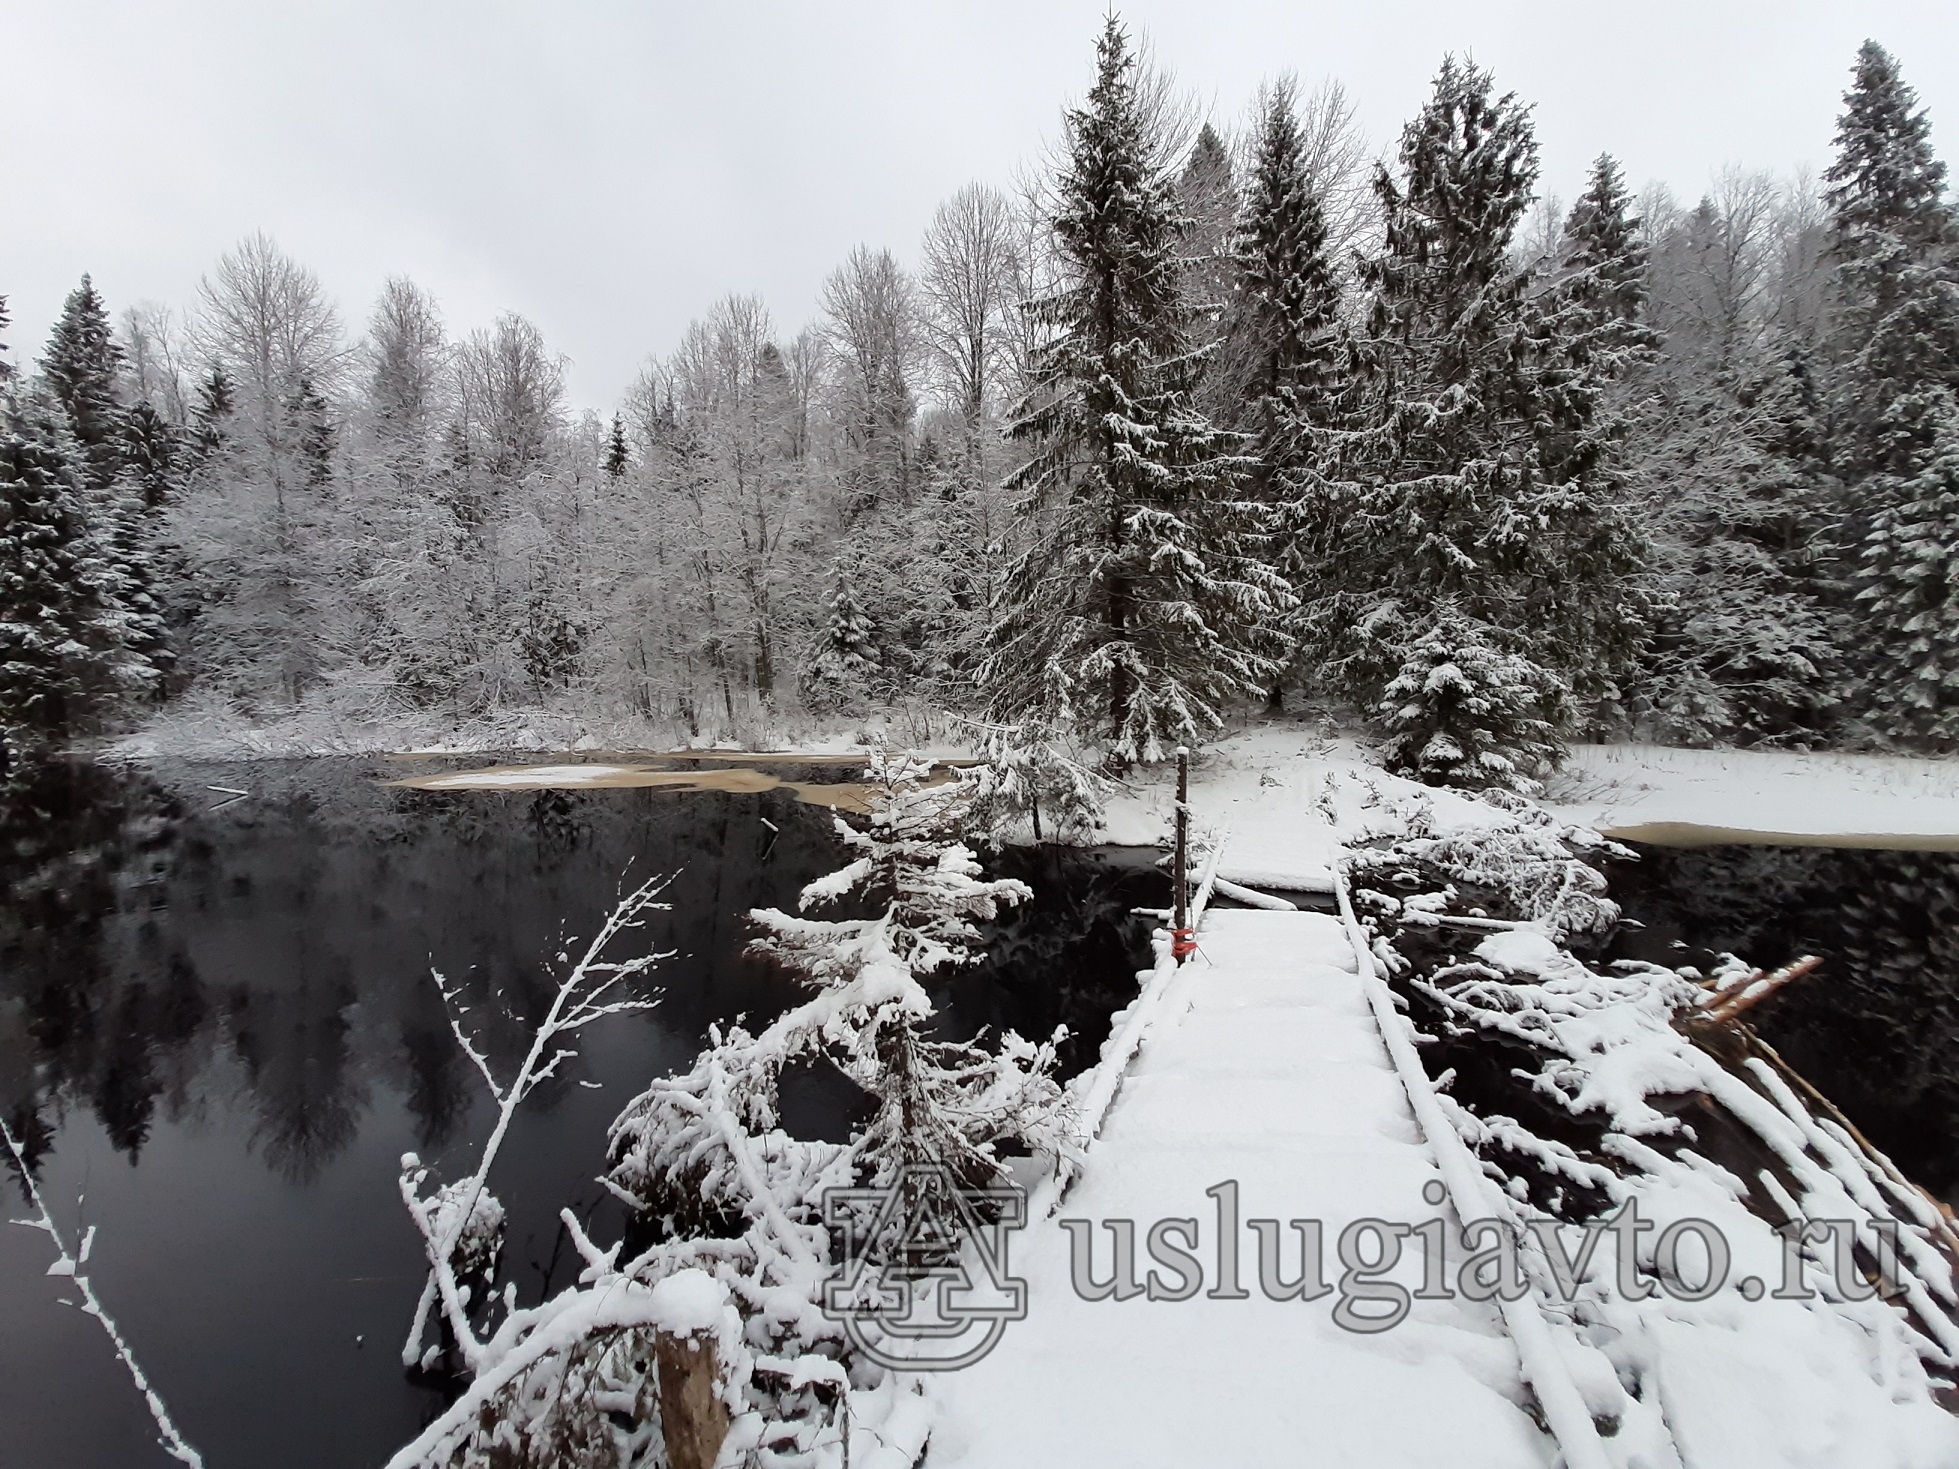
218,1034
1876,1028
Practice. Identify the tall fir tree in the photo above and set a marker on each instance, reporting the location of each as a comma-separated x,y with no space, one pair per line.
1138,607
1594,318
152,451
311,423
618,459
1895,337
6,367
217,401
83,369
82,366
1471,521
1894,446
1207,194
61,643
844,666
1289,360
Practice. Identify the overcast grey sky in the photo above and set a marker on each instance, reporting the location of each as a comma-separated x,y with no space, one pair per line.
609,169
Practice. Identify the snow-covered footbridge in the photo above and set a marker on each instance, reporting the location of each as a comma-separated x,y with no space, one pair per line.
1265,1091
1260,1118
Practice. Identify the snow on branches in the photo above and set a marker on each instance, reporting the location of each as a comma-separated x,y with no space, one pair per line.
1605,1098
462,1224
1027,771
734,1203
938,1101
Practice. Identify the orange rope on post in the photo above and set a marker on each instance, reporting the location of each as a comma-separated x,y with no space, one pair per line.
1183,943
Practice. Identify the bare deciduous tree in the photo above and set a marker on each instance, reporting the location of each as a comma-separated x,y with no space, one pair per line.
513,390
156,362
408,360
1337,167
265,320
872,325
970,279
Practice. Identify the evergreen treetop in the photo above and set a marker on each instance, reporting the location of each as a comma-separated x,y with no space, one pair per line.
617,458
1885,177
1288,308
83,365
1138,607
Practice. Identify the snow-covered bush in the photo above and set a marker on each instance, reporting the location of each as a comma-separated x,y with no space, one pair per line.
1032,779
1530,867
940,1102
1463,711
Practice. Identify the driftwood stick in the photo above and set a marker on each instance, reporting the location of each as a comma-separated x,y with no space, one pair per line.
1744,994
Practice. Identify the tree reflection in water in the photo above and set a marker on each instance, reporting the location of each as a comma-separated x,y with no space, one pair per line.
236,1003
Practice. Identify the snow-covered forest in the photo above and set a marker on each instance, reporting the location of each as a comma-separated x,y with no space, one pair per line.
1197,415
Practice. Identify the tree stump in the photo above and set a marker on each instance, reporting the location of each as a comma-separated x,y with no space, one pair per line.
693,1419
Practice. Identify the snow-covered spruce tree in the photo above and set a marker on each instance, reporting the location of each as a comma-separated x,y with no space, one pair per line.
217,402
1908,597
1594,320
1894,346
61,654
844,664
6,367
1138,607
1469,525
1462,712
618,458
1207,195
1745,641
938,1102
1286,352
153,450
81,367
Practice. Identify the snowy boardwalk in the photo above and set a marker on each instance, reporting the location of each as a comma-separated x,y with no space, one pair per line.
1266,1067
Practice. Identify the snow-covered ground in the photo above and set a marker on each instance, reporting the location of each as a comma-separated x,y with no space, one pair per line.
1263,787
1263,781
1649,792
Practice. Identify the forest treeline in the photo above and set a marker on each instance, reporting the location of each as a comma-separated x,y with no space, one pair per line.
1189,420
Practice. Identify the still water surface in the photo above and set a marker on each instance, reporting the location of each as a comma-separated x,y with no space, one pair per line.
218,1034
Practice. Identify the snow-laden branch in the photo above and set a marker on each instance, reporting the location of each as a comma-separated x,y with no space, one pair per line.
463,1216
68,1264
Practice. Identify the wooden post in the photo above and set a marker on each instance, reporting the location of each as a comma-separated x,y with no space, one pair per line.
1180,937
693,1418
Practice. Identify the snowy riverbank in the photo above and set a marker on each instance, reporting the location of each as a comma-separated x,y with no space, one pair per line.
1252,779
1696,797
